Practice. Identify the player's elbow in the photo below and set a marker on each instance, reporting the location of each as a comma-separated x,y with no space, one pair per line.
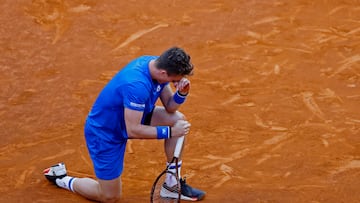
171,111
132,132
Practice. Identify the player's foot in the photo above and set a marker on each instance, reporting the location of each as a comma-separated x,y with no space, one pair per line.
54,172
187,192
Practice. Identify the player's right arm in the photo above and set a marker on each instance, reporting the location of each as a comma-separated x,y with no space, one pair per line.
136,130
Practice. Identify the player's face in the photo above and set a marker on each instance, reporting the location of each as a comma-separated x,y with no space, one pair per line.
166,78
175,79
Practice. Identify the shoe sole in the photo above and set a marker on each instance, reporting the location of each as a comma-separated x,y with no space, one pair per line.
52,178
168,194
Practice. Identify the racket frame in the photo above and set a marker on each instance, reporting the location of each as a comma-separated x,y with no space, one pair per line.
175,159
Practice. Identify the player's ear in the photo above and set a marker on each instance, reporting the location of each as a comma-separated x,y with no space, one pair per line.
163,72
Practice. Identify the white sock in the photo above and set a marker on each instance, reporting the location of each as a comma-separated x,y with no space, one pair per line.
66,182
170,179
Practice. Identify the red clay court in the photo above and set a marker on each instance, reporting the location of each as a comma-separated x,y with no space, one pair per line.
274,103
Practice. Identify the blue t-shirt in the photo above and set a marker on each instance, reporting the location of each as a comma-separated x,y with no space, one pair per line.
132,88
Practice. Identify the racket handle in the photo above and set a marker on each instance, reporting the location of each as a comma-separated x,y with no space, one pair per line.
178,147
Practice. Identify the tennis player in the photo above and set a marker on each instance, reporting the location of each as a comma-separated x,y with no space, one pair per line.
125,109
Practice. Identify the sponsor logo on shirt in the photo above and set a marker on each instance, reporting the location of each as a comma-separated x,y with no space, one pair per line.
158,88
137,105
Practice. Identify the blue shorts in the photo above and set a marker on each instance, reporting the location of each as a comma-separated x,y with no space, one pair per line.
107,156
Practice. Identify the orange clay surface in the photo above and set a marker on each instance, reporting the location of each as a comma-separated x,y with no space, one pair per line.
274,102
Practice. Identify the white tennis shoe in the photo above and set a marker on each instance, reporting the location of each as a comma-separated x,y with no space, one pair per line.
54,172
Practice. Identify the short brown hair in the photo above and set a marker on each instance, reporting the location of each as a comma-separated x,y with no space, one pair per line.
175,61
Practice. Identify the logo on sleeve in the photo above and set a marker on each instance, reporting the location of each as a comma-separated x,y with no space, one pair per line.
137,105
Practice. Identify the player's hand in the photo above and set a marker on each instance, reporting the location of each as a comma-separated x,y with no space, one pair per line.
183,86
180,128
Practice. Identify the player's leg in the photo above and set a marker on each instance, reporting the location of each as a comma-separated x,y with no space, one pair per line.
98,190
88,188
107,158
101,190
161,117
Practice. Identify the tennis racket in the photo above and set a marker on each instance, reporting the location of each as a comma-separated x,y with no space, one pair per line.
156,189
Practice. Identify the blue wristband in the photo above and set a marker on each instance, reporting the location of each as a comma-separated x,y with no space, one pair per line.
179,98
163,132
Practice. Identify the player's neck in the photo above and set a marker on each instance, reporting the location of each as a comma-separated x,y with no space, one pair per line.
154,71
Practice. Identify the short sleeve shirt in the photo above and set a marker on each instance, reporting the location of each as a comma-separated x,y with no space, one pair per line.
132,88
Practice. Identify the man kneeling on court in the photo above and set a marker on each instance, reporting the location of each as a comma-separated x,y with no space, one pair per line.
125,109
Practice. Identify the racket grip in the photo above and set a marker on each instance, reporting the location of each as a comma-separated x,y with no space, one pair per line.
178,147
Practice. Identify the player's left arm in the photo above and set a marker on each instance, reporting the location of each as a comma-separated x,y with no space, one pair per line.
172,100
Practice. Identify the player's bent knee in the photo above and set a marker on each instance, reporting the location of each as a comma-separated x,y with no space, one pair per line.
111,198
110,191
172,118
179,116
